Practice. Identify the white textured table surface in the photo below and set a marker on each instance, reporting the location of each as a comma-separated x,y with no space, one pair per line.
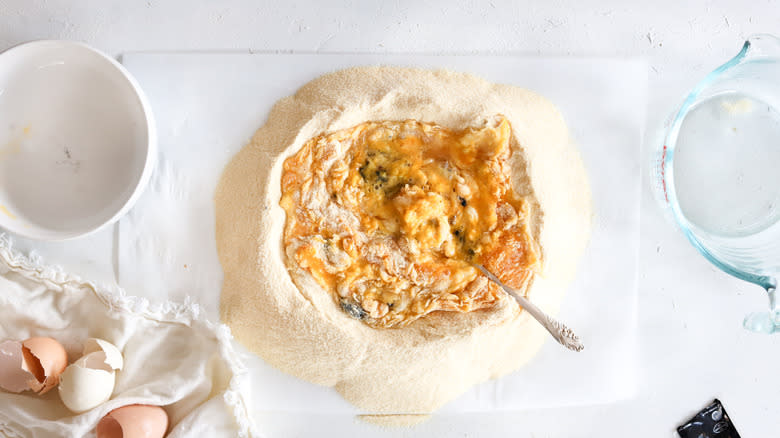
691,343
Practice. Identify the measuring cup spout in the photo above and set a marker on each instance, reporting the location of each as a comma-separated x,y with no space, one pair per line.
761,46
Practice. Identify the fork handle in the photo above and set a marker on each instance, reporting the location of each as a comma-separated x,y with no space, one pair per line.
559,331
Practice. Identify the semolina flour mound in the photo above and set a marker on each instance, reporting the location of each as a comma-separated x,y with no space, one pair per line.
277,310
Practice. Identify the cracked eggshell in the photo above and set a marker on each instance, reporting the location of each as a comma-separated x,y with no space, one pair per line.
45,359
13,377
134,421
86,383
113,357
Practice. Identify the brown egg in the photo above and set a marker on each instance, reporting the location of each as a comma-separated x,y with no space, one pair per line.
45,359
134,421
33,364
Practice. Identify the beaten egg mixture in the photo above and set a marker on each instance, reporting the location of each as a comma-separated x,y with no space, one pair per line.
388,217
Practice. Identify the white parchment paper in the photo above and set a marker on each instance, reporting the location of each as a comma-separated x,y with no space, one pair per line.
208,105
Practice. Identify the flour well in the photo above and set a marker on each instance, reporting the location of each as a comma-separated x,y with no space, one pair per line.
417,368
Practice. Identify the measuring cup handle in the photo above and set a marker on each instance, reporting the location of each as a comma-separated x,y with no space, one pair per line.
765,322
774,305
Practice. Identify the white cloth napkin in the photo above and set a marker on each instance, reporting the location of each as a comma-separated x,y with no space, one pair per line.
174,357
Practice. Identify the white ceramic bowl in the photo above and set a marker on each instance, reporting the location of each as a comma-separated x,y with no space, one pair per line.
77,140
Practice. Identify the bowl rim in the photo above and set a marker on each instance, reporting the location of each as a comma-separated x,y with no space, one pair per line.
150,148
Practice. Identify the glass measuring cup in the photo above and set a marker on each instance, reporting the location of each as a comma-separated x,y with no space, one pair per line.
716,171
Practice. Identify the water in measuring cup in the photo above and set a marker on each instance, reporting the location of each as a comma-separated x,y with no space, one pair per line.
727,165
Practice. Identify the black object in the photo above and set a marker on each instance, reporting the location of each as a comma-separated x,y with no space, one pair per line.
710,422
353,309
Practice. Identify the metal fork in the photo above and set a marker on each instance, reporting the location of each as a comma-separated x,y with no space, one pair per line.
559,331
